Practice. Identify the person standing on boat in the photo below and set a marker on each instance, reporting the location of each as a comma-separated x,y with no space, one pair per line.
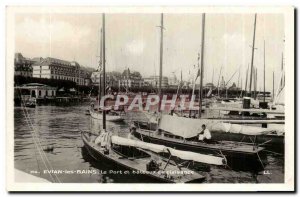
204,135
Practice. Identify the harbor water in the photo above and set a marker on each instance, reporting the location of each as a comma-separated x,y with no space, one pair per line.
57,129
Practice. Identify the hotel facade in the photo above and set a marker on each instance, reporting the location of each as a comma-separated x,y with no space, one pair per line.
154,81
52,68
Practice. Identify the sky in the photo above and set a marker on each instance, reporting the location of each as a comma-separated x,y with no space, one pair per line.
132,41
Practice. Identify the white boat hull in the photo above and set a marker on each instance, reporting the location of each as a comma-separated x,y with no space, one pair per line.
98,116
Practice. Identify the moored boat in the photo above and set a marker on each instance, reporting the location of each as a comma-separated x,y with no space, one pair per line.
111,116
181,133
122,153
127,155
267,133
30,104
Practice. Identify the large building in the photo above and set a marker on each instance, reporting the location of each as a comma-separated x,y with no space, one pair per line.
112,79
23,66
154,81
115,79
52,68
131,79
131,83
173,81
36,90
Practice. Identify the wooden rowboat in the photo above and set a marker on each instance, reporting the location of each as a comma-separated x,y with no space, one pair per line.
138,161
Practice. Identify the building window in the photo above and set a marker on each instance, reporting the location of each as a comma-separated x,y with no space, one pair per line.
33,93
52,93
40,93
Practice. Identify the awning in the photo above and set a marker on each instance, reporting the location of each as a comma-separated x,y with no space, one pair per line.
189,127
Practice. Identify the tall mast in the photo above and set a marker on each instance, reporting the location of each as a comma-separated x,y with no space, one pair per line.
253,47
282,79
181,77
199,73
202,69
161,57
255,82
273,87
100,63
238,85
104,62
212,79
241,87
264,72
246,81
256,86
219,81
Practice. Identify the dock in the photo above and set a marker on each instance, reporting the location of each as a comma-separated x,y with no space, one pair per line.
248,110
23,177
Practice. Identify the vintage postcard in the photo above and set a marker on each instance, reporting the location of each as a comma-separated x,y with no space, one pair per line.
126,98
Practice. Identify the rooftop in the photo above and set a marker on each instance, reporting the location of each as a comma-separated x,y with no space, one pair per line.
34,86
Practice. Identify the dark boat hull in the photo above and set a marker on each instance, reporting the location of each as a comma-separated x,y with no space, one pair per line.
235,159
274,142
98,156
270,142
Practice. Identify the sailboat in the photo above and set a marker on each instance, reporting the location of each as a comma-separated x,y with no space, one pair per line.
111,115
255,113
140,157
270,119
170,131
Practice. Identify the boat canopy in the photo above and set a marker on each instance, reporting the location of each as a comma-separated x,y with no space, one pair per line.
185,155
188,127
181,126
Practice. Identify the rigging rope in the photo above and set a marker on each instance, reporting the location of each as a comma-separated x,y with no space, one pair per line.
36,144
37,141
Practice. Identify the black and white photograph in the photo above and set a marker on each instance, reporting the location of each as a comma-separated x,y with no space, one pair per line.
154,99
